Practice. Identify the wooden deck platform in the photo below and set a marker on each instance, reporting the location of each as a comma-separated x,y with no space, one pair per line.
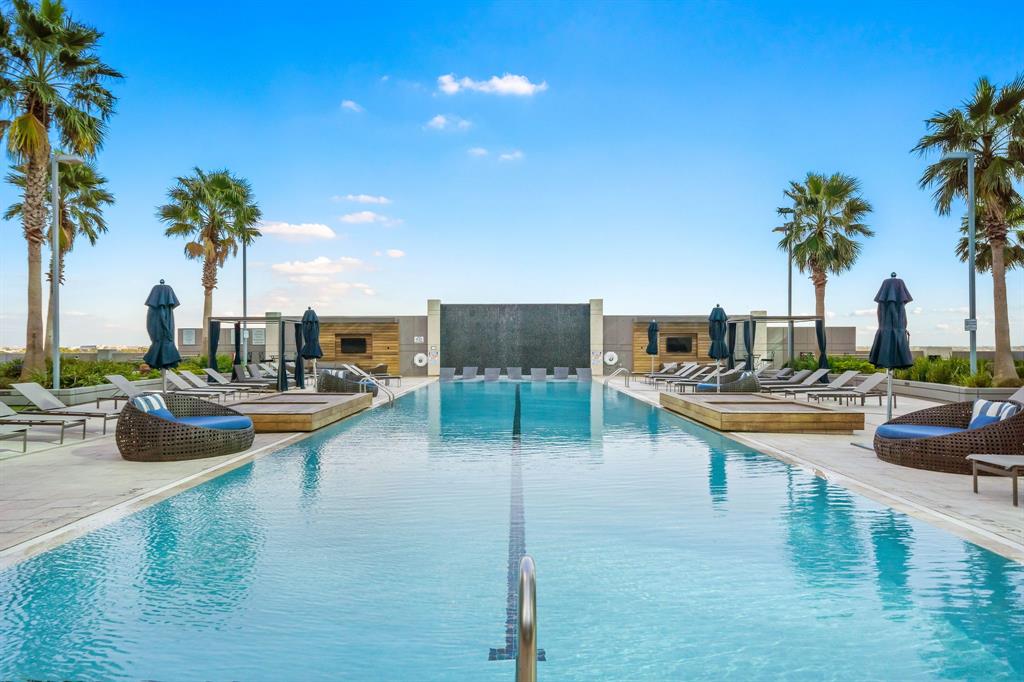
760,413
302,411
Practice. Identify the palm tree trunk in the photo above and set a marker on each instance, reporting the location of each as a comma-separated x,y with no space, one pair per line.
33,222
1004,373
819,279
209,284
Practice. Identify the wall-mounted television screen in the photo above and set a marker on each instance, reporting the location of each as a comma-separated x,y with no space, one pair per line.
679,344
353,346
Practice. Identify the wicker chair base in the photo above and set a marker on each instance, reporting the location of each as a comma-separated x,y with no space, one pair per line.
948,454
141,437
745,384
328,382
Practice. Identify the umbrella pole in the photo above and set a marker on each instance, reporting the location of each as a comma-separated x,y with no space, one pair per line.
163,375
888,392
718,389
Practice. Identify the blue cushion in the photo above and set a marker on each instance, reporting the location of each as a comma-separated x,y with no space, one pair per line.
906,431
227,423
163,413
987,412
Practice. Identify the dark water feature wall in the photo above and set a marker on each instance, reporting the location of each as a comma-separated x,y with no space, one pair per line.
515,335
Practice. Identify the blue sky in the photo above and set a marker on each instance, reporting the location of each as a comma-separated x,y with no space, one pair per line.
638,155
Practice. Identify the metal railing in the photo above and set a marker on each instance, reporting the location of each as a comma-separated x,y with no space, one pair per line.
620,370
388,393
526,658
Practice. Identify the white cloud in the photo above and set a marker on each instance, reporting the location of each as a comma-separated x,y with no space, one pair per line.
917,310
507,84
367,218
317,270
830,314
362,199
448,122
395,253
514,155
864,312
297,231
351,106
942,326
476,151
963,310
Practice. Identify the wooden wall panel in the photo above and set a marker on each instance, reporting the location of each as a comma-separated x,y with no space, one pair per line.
699,330
381,343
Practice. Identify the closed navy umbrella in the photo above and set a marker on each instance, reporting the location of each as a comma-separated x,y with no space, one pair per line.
162,353
311,337
652,341
717,327
891,347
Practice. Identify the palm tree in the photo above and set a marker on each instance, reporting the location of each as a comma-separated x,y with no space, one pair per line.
1013,250
826,217
51,82
215,212
83,195
991,125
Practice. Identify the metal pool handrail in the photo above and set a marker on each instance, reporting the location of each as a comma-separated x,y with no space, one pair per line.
620,370
388,393
526,658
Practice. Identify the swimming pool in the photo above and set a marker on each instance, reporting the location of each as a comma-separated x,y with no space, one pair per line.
378,550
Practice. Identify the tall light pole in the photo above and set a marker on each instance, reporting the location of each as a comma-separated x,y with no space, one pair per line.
245,313
971,323
55,161
789,307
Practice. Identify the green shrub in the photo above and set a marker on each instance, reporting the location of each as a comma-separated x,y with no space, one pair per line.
983,379
198,362
838,363
75,373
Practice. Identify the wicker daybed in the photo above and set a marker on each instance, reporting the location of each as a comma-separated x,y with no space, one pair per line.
330,382
746,383
145,437
948,453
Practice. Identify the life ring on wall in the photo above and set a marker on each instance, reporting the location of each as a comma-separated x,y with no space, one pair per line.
420,360
611,358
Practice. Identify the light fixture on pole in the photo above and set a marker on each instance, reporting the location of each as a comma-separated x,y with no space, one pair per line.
55,160
971,323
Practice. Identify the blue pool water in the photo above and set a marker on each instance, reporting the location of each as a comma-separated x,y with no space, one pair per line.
378,550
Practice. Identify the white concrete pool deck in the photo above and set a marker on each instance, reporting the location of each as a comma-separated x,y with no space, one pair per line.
988,519
54,493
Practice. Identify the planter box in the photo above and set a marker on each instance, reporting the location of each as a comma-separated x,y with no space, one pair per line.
946,393
77,396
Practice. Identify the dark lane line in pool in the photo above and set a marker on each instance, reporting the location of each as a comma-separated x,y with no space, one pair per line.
516,544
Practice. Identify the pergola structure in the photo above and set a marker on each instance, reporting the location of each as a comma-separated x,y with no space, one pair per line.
750,328
213,340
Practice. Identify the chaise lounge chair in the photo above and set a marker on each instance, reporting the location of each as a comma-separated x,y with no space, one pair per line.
492,373
10,417
790,381
539,374
200,384
15,431
861,391
744,382
684,373
468,374
812,380
181,384
514,373
561,374
584,374
834,385
247,385
447,374
46,403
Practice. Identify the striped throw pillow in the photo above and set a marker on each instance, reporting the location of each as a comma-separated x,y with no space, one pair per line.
987,412
153,405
